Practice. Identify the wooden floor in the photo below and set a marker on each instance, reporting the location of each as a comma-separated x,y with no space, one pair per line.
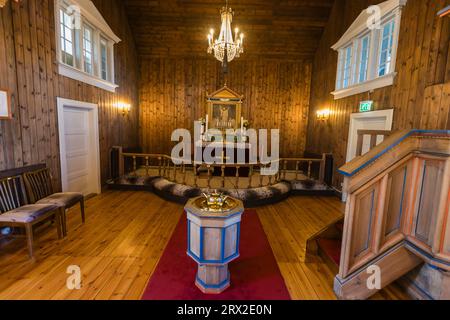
125,235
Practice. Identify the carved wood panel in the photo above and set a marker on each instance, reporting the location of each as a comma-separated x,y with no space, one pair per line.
364,220
395,206
430,179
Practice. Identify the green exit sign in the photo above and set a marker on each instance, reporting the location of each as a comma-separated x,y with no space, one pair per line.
366,106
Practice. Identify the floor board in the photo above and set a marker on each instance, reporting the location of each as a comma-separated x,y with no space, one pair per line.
125,235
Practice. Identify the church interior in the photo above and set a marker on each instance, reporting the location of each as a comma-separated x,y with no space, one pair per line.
224,150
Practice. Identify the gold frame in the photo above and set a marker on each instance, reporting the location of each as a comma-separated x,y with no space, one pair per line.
224,96
8,105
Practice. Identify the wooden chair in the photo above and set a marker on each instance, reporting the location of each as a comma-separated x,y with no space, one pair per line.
40,190
16,213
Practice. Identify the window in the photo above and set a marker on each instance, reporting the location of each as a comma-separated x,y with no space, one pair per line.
104,59
66,38
367,53
87,49
85,44
363,59
347,69
387,42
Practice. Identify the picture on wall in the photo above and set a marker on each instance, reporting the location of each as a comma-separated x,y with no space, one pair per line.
5,105
224,108
224,116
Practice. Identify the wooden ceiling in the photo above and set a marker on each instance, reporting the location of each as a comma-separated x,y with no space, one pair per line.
287,29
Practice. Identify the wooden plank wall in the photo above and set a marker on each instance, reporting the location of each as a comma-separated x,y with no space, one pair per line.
173,95
420,94
28,70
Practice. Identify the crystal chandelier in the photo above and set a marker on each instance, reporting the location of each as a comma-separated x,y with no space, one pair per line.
224,48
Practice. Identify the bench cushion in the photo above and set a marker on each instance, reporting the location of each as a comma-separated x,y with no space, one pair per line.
27,214
65,199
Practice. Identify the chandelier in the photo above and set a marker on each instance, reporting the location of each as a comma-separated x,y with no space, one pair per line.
224,48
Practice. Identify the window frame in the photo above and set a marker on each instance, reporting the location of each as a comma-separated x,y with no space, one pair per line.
358,68
62,37
355,35
391,37
85,27
90,19
107,69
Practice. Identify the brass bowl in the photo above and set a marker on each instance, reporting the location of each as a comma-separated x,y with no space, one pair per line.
203,204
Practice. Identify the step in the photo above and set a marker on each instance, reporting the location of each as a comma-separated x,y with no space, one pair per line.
331,248
340,227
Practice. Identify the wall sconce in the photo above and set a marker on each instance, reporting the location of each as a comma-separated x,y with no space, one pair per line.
3,2
323,115
125,108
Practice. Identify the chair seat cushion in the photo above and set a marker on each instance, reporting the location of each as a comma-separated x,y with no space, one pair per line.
27,214
65,199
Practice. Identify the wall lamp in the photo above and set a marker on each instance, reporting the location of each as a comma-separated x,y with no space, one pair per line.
323,115
125,108
3,2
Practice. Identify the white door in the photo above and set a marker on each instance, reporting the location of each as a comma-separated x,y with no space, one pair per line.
376,120
79,149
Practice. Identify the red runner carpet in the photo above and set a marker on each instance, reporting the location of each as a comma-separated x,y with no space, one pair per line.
254,276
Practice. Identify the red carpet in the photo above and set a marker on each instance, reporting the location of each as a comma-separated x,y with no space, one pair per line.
254,276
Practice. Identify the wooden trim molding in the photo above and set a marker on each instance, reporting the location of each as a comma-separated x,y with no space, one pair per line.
444,12
360,24
360,163
369,85
79,75
8,104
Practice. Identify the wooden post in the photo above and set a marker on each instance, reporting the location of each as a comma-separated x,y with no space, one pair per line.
322,168
309,169
184,173
121,163
209,176
165,167
261,177
223,176
134,165
237,177
195,176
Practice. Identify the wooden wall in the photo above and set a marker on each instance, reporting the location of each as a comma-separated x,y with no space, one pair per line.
420,94
28,70
173,95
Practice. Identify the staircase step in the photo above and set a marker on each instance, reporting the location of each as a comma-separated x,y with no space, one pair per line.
331,248
340,227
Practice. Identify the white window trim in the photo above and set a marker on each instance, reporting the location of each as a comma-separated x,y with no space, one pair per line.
389,9
92,17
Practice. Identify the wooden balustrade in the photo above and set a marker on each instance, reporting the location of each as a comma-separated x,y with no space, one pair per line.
163,166
397,210
374,134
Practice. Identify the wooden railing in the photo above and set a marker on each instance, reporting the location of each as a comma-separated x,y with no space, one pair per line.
374,134
164,166
397,211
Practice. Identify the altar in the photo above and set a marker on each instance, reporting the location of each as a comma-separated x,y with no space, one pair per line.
224,133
